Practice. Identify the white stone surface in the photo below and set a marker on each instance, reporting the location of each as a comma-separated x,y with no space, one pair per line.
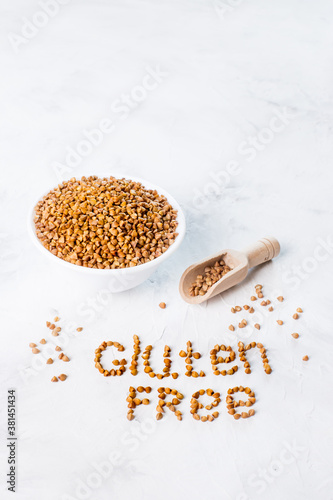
228,69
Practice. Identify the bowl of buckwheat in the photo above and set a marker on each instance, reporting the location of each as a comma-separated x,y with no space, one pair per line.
120,228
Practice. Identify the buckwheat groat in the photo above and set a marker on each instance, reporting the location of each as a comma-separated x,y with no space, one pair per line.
105,223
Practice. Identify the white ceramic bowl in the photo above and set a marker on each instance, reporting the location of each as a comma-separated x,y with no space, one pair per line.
118,280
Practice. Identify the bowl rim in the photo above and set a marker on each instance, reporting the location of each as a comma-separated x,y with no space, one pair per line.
181,229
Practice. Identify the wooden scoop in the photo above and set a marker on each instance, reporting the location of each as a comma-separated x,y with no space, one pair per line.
239,263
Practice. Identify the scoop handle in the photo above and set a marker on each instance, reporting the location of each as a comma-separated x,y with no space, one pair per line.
262,251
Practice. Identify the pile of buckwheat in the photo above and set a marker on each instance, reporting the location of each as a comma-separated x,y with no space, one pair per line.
105,223
212,275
